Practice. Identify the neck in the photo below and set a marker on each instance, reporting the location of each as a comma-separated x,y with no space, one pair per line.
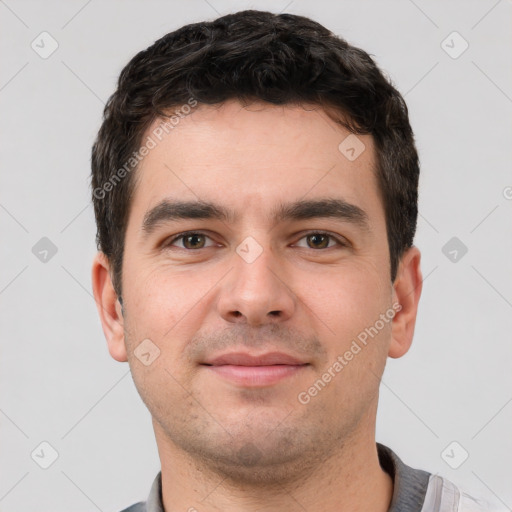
351,479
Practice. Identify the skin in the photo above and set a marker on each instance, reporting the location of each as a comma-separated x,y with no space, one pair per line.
227,447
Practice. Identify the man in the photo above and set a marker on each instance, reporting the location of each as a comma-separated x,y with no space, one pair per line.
255,190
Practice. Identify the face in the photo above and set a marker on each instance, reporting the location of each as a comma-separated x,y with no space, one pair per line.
249,337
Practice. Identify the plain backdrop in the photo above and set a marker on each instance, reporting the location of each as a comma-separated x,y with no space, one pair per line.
58,382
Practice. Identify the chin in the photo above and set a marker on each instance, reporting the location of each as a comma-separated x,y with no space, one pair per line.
270,458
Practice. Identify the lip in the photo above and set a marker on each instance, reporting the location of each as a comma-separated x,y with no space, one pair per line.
244,359
255,371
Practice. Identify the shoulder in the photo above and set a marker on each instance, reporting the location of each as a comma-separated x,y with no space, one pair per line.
136,507
154,500
444,496
421,491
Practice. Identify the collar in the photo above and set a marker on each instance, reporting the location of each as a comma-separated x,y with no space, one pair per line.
409,485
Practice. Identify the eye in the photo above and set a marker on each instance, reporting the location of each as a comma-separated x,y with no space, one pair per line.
320,240
195,240
191,240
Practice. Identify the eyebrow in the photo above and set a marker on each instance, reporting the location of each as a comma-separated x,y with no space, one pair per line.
170,210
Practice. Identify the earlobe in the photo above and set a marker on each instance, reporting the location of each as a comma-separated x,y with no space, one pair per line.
109,308
406,291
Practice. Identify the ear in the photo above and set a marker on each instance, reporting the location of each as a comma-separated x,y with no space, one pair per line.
406,291
109,308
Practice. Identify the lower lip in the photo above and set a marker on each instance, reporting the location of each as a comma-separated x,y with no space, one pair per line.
256,376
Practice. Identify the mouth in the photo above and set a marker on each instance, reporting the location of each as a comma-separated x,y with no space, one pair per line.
255,371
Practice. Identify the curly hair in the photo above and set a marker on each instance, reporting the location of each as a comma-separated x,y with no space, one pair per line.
254,56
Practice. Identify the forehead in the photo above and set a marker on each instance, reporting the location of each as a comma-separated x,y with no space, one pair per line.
254,157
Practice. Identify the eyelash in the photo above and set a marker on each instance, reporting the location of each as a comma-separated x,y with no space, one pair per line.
179,236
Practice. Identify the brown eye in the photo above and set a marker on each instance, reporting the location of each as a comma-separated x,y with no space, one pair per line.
318,241
193,241
190,241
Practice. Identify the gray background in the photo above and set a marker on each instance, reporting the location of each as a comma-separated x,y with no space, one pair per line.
58,383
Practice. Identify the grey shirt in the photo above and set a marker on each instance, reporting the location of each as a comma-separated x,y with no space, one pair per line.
414,490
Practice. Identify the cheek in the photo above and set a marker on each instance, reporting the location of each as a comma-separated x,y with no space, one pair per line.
164,293
167,304
355,337
159,310
347,305
347,298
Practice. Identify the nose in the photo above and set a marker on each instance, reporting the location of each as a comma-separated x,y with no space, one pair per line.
256,292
